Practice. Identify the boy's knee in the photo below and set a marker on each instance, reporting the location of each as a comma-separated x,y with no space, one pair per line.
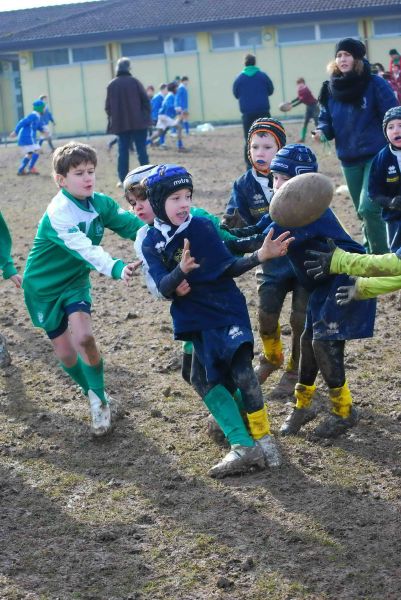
87,342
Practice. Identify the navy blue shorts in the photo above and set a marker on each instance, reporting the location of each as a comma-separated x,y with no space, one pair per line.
326,320
82,306
216,347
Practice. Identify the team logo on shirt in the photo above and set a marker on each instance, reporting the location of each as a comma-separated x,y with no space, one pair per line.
178,255
258,198
99,229
40,317
391,170
234,332
159,247
332,328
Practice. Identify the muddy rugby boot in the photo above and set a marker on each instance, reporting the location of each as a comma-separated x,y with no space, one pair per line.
285,386
100,415
5,358
240,459
270,450
335,425
296,419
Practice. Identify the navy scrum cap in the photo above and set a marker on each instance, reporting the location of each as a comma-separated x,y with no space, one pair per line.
162,181
391,114
294,159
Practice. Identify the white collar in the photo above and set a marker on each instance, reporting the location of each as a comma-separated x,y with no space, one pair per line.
165,228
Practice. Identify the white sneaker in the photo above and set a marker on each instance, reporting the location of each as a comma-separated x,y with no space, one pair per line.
100,414
240,459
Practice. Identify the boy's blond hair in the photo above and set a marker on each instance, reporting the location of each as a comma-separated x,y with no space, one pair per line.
71,155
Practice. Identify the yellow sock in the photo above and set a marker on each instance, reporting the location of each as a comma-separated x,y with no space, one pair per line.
303,395
290,366
259,425
272,347
342,400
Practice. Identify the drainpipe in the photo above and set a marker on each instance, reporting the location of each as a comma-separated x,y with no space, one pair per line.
84,99
202,106
365,36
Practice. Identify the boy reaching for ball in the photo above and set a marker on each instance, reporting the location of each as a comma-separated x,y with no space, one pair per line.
327,325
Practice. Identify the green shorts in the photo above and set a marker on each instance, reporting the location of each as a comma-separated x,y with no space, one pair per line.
52,316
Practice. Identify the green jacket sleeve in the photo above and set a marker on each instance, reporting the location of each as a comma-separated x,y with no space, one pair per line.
6,262
223,234
121,221
365,265
371,287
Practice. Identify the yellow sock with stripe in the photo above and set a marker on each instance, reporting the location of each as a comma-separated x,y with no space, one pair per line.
303,395
258,422
273,348
342,400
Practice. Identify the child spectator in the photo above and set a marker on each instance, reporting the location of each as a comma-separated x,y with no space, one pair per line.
327,325
181,102
26,130
395,58
156,104
150,92
212,314
305,96
385,177
396,79
251,195
167,117
56,279
9,272
45,118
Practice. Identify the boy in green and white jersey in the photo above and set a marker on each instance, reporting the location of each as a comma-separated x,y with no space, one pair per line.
56,280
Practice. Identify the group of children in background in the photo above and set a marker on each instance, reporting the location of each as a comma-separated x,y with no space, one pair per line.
208,310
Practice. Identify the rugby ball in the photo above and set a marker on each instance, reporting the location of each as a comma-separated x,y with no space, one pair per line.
285,106
301,200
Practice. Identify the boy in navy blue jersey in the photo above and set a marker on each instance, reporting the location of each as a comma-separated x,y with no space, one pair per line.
327,325
251,195
212,313
385,177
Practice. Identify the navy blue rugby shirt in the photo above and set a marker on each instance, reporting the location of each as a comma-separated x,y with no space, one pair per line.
214,300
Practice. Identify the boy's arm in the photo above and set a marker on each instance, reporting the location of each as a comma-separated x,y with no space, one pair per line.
122,222
296,102
371,287
6,262
365,265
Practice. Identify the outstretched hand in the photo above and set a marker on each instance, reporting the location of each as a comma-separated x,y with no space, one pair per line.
129,270
318,265
274,248
187,262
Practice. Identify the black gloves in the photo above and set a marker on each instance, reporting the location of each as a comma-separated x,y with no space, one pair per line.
318,266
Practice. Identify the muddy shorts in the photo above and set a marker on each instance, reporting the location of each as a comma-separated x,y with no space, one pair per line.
215,348
53,316
325,320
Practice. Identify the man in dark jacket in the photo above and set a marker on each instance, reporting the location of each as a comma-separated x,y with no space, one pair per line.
252,89
129,116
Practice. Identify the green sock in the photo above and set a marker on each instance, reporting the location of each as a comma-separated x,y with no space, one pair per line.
77,374
95,378
187,347
224,409
238,400
303,133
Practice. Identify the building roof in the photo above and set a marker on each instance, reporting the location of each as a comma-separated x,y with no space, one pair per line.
108,20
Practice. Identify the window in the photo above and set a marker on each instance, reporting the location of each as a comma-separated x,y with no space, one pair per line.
223,40
334,31
387,26
88,53
185,43
142,47
303,33
317,32
50,58
246,38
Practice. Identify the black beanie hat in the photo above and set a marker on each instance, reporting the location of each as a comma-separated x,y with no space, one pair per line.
354,47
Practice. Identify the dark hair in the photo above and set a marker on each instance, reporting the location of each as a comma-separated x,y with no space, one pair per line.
250,60
394,52
172,86
300,80
163,86
71,155
184,78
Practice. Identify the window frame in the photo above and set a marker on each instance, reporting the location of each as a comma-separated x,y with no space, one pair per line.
237,43
380,36
318,39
